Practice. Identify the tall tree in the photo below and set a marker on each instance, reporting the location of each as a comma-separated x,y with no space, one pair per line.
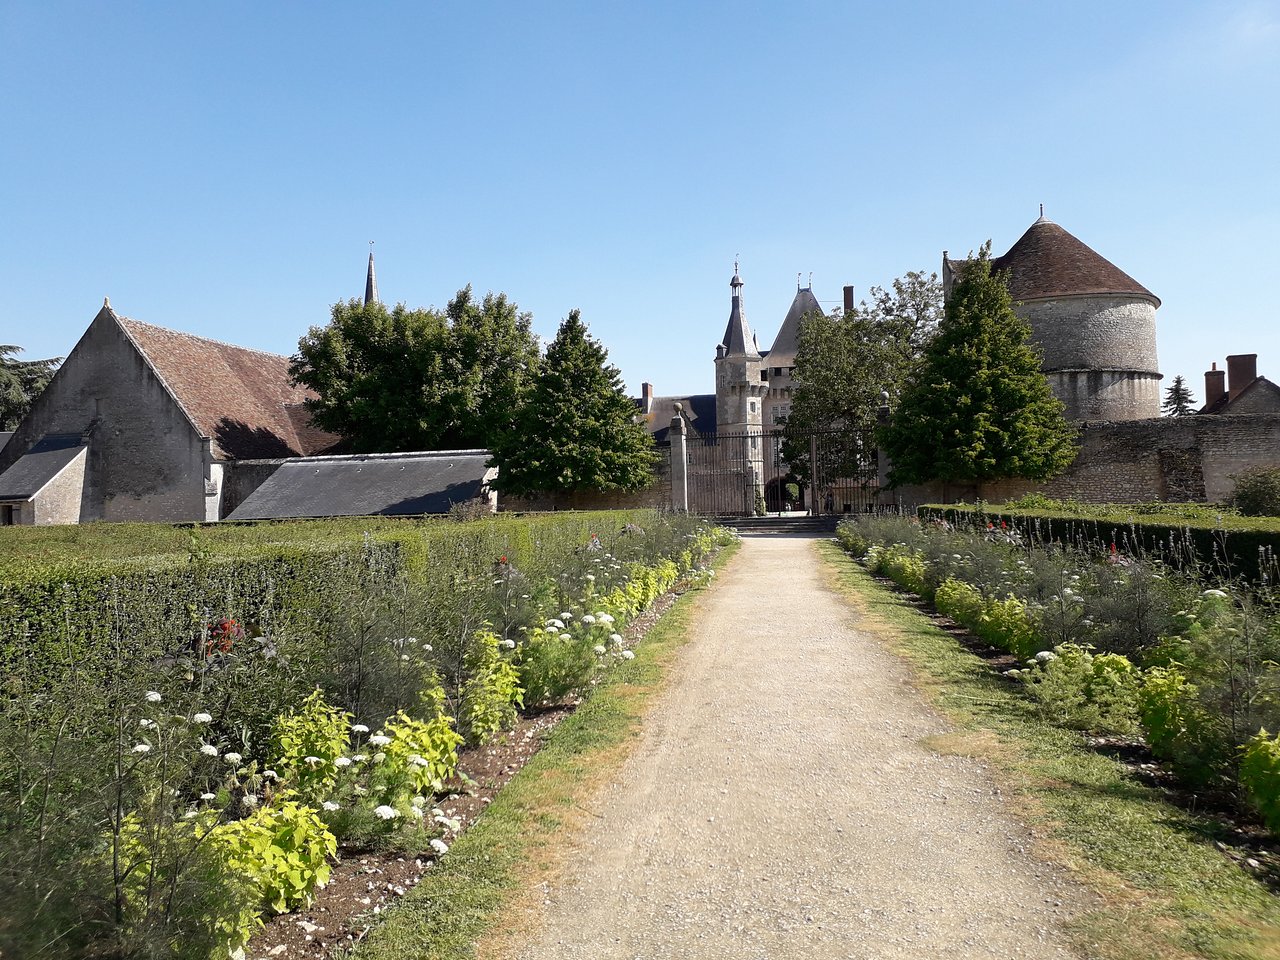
21,381
978,407
577,428
846,361
400,379
1178,399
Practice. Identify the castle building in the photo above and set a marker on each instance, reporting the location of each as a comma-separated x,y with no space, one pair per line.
1095,324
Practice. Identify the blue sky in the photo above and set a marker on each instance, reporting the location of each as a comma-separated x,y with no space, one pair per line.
220,168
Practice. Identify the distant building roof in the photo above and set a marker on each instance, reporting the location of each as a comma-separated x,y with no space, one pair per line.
699,413
4,437
783,351
1225,402
32,471
1047,261
388,484
240,398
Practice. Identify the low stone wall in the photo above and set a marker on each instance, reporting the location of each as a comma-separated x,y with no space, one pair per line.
1172,459
658,495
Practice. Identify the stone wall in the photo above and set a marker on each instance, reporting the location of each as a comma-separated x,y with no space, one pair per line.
1106,394
145,461
241,477
60,500
1172,459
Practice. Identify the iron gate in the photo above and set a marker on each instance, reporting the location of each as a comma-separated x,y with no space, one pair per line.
777,471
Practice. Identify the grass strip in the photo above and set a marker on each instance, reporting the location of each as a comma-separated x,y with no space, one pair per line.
518,837
1165,889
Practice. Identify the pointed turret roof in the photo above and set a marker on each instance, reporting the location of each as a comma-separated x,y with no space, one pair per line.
738,339
1047,261
783,351
371,283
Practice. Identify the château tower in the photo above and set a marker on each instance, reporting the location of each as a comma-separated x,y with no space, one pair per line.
740,383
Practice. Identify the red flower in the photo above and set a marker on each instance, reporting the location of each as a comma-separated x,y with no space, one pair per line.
503,558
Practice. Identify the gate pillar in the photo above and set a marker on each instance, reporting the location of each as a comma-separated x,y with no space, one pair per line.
679,463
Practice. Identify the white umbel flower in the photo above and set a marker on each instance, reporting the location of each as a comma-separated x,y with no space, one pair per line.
385,812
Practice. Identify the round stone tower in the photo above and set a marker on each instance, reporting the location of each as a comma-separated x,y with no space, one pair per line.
1095,324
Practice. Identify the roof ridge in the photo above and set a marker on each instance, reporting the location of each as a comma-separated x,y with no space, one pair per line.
196,336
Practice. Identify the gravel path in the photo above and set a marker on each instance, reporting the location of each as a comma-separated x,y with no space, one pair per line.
779,804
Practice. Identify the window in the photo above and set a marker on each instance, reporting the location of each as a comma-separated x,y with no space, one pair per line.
753,406
764,375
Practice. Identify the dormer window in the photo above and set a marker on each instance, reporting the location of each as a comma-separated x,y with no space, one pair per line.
764,375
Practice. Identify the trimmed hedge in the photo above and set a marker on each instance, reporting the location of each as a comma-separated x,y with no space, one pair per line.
1224,552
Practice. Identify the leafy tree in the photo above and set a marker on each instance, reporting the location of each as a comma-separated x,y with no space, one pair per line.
21,381
400,379
845,361
978,407
1178,399
577,428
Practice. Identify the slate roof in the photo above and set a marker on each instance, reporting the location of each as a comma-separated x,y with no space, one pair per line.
4,438
783,351
242,399
1047,261
387,484
699,414
32,471
738,338
1225,402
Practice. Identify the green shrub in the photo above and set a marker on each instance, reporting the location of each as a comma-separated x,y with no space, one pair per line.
1257,492
852,539
424,750
1260,776
1175,724
959,601
492,692
283,849
308,741
555,664
1078,689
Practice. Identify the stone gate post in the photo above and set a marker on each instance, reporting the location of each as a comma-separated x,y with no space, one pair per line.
679,463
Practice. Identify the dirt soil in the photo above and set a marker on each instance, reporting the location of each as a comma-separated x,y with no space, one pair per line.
782,802
364,883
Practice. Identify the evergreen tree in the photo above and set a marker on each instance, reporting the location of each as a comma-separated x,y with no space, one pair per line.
1178,400
20,383
577,428
978,406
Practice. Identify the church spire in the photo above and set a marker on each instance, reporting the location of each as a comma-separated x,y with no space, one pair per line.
371,282
737,335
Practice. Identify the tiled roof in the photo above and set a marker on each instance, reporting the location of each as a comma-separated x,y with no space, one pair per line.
699,411
1049,262
783,351
387,484
242,399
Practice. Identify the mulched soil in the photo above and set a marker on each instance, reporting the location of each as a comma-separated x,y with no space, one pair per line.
1220,815
365,882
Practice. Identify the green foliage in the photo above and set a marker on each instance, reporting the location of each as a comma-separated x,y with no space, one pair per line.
1079,689
555,664
1260,776
401,379
283,849
426,751
21,381
1175,724
307,741
577,430
1178,399
1001,623
492,693
1257,492
978,407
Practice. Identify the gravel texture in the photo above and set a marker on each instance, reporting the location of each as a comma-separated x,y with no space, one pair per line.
779,804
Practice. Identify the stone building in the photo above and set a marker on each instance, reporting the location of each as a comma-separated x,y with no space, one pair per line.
1238,389
1095,324
141,423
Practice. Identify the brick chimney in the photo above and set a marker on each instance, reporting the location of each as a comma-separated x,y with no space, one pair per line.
848,299
646,397
1215,385
1242,370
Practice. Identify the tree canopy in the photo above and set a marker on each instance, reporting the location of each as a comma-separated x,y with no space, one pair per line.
400,379
577,428
21,381
1178,399
977,406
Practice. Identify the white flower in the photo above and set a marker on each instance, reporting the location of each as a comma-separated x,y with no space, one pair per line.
313,761
153,697
1046,656
379,740
249,800
342,762
439,846
1214,593
558,624
604,618
209,750
359,757
330,806
588,618
615,637
385,812
566,615
591,576
379,757
146,724
427,647
566,636
598,648
270,775
208,796
404,657
359,728
419,801
201,718
628,655
142,748
232,757
416,812
507,644
190,815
